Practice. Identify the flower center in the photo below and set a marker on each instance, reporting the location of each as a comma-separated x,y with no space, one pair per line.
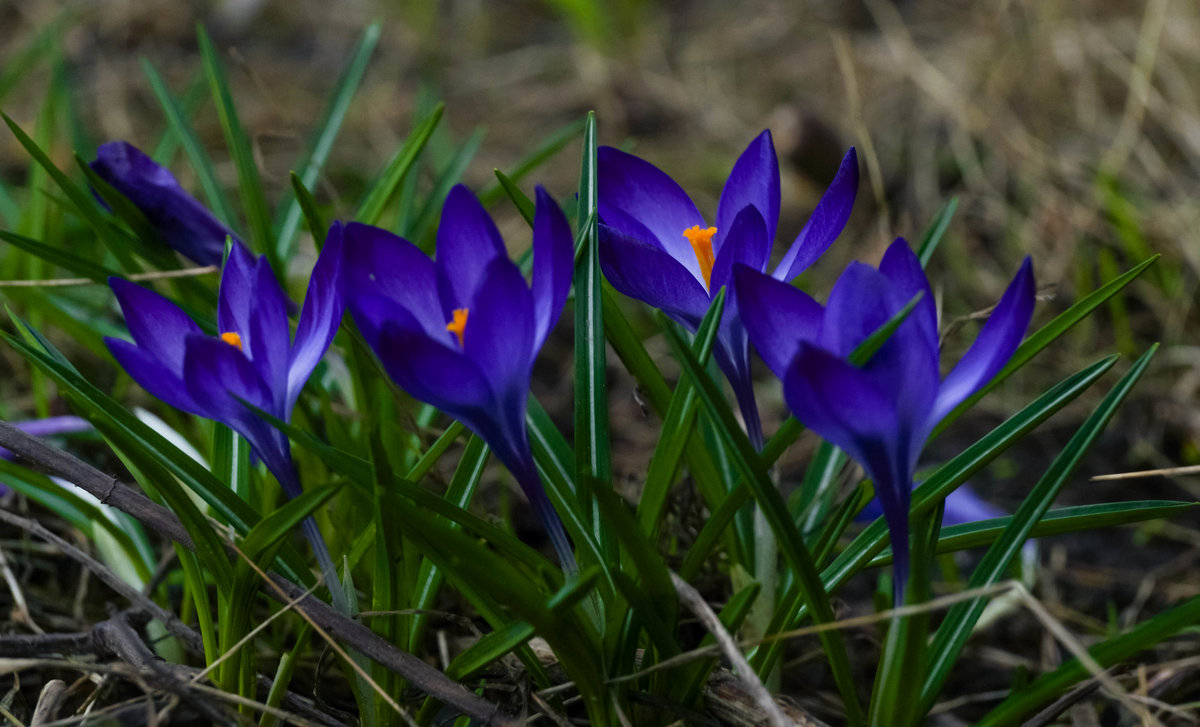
459,324
702,245
232,339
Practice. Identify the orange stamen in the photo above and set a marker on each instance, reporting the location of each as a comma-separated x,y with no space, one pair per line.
232,339
459,324
702,245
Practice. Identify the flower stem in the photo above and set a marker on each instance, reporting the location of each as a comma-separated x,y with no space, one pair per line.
325,563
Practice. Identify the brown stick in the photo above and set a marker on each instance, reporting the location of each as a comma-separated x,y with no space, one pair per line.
110,490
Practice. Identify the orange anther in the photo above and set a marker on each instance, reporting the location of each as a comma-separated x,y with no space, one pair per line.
232,339
459,324
702,245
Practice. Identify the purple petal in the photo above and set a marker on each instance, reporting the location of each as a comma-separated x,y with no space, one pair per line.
49,426
153,375
467,241
236,301
846,407
754,181
747,243
500,331
270,345
649,274
861,301
903,268
433,372
220,375
964,506
553,263
184,223
633,189
994,346
378,264
156,324
826,223
776,315
320,317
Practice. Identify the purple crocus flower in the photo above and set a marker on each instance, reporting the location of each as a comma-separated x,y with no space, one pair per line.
461,333
655,245
882,413
253,359
185,224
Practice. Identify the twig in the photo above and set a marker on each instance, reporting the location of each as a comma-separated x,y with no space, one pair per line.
697,605
75,282
1164,472
186,635
20,607
47,704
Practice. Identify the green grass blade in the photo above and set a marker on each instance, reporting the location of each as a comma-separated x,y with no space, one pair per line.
321,143
677,428
523,204
59,256
398,168
1037,341
250,189
952,635
265,536
178,122
592,456
936,231
80,201
422,228
312,215
791,544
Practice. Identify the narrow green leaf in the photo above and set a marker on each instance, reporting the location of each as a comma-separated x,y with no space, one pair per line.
250,189
592,456
284,519
936,231
677,428
422,227
321,143
80,201
61,257
952,635
177,121
522,202
397,169
312,215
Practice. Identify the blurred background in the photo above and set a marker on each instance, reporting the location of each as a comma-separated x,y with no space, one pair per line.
1068,130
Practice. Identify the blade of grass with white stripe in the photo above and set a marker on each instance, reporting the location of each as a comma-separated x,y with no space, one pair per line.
952,635
592,455
250,189
321,143
749,465
312,215
422,229
936,231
